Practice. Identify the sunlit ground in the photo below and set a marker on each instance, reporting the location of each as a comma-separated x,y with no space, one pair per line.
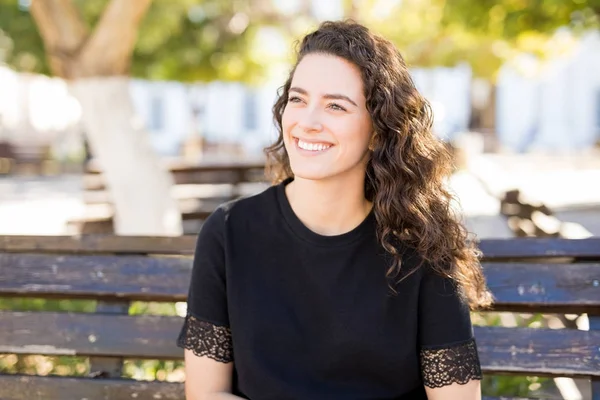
39,206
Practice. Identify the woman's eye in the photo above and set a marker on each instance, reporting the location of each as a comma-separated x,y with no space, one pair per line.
294,99
335,106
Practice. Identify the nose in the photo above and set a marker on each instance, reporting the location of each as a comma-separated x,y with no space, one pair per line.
310,121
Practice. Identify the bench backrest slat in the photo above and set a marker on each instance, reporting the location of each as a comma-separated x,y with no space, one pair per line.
540,247
19,387
537,351
546,287
51,388
99,244
147,336
493,249
550,288
95,277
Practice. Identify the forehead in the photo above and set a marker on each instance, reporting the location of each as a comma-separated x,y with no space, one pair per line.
326,74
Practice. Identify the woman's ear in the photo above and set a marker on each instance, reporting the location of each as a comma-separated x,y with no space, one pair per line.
372,141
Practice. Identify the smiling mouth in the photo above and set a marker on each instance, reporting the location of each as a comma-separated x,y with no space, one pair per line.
315,147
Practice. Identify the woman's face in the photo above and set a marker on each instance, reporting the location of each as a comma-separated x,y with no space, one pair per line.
326,125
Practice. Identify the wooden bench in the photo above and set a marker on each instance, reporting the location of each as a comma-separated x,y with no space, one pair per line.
199,188
6,158
526,275
204,172
19,157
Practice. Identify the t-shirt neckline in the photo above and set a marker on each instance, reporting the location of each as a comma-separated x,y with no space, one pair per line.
365,228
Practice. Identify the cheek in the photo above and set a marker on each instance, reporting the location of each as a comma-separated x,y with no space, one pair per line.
287,119
356,134
286,127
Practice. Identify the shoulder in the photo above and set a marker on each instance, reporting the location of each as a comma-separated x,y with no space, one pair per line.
413,260
240,216
422,272
244,210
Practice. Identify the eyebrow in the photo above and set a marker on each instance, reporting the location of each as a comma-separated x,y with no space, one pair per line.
333,96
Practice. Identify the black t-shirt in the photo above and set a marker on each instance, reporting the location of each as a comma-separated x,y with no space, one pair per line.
311,317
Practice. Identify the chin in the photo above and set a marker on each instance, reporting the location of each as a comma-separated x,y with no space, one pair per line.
313,174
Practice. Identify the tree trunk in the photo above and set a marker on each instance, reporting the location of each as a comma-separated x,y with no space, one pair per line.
96,65
140,188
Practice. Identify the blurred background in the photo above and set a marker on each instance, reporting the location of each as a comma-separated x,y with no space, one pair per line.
139,117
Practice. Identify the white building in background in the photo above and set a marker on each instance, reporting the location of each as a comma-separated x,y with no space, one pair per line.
11,109
222,112
449,92
555,106
165,110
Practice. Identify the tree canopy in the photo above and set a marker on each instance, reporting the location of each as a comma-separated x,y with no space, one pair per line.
193,40
184,40
484,33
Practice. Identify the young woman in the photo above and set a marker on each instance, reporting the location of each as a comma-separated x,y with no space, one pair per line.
350,277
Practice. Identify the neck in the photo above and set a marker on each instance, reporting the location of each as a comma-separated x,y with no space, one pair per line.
331,206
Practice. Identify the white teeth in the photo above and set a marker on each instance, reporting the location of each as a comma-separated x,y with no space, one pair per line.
312,146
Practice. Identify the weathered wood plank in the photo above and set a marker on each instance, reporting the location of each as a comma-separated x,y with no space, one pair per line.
544,352
492,248
559,288
566,288
124,277
540,247
99,244
219,176
202,173
20,387
109,367
562,352
144,336
594,320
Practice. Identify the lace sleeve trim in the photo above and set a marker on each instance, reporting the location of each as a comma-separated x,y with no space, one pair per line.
458,363
206,339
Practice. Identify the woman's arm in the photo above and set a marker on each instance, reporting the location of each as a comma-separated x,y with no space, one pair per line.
469,391
449,359
205,334
207,379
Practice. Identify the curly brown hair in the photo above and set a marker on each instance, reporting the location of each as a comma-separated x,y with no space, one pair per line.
409,165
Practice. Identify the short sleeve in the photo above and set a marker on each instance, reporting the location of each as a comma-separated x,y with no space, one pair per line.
448,352
206,330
